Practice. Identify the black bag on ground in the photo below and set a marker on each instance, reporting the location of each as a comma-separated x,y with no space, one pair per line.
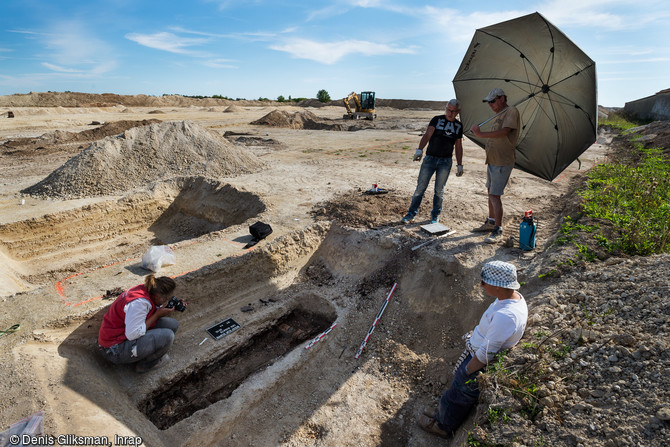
259,230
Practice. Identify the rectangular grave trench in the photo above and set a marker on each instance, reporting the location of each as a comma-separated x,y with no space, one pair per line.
183,396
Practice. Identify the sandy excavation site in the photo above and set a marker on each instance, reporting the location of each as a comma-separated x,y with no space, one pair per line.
86,189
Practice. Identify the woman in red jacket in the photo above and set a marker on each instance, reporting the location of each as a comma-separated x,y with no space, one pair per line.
135,328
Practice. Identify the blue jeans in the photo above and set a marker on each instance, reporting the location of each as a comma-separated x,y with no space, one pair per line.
146,350
458,400
431,165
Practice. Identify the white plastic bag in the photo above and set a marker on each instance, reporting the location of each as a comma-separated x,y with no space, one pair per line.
157,256
31,426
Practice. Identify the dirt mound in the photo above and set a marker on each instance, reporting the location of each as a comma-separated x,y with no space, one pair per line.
142,155
232,109
656,134
413,104
313,102
298,120
61,138
357,209
77,99
109,129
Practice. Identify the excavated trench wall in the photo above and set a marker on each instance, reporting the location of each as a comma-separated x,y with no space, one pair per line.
167,213
295,286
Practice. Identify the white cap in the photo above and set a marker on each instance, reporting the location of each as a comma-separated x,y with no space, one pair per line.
493,94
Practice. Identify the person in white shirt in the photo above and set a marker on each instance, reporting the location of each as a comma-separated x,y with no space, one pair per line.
500,327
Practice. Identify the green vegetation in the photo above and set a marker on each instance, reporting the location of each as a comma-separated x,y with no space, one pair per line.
569,228
626,205
323,96
280,98
620,122
205,97
472,442
523,382
495,416
549,274
635,199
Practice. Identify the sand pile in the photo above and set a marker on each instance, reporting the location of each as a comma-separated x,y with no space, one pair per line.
76,99
232,109
143,155
65,137
298,120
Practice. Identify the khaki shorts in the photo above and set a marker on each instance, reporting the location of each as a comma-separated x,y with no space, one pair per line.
497,178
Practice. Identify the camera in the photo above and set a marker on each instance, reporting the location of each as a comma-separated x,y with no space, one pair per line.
176,303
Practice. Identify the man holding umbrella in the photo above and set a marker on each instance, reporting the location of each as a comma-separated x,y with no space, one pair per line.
500,149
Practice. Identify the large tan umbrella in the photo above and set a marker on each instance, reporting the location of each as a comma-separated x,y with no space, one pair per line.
546,76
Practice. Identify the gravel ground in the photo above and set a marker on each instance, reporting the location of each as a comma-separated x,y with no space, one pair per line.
612,387
593,366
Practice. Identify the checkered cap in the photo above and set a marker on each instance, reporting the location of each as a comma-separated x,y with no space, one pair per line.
500,274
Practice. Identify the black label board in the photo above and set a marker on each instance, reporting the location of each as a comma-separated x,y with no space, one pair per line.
224,328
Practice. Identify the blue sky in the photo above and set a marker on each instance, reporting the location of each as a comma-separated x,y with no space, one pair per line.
401,49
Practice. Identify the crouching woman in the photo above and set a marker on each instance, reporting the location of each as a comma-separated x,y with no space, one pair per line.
135,328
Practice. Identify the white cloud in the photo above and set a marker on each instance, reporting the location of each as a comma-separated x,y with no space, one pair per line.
458,27
609,15
226,4
650,60
59,68
166,42
249,36
71,44
332,52
219,63
384,5
21,31
343,7
72,48
368,3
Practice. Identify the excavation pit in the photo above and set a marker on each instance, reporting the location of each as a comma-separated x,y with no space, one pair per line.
217,380
166,213
219,392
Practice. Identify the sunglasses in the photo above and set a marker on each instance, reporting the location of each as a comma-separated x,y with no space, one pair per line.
452,111
494,100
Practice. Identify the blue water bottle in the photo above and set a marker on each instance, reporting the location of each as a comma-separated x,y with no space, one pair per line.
527,231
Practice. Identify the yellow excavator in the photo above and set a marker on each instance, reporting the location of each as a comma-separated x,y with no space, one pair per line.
365,106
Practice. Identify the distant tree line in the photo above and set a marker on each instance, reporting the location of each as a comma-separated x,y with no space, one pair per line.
280,98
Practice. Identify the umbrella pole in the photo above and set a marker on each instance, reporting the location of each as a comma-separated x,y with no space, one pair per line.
502,111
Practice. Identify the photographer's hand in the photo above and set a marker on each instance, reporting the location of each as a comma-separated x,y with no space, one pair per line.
163,311
160,312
